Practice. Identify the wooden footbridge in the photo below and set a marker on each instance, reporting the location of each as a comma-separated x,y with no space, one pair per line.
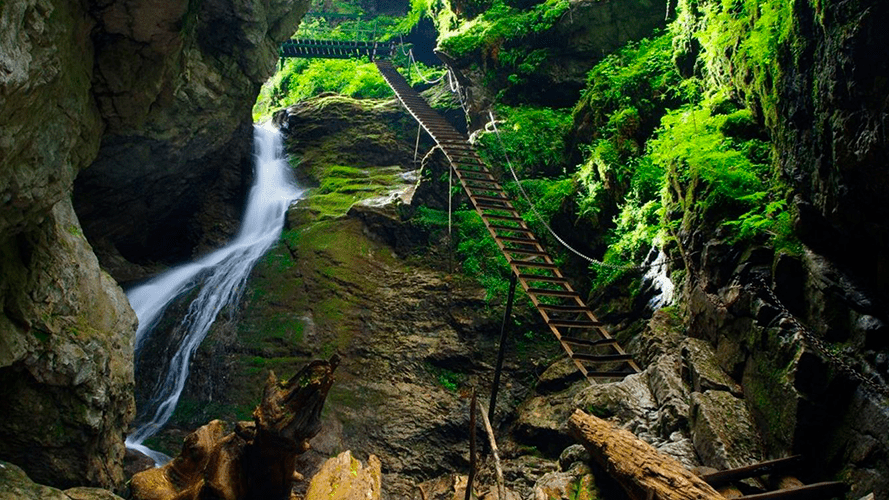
584,338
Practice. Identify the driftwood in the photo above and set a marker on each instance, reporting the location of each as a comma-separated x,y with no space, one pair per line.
256,461
501,484
642,471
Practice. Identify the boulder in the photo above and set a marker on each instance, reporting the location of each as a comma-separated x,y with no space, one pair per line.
66,357
345,478
723,431
16,485
175,84
577,483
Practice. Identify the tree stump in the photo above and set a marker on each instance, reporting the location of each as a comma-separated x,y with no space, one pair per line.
642,471
256,461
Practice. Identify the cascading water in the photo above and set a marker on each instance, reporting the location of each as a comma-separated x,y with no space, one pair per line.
657,280
220,276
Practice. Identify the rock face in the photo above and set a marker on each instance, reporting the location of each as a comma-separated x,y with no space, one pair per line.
66,367
175,83
343,478
16,485
582,36
147,75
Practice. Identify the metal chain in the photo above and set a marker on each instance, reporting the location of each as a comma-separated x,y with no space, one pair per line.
870,385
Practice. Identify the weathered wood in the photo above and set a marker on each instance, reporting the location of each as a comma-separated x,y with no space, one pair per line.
501,483
642,471
817,491
472,458
254,462
762,468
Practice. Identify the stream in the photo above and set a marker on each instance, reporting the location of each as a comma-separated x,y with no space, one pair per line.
219,276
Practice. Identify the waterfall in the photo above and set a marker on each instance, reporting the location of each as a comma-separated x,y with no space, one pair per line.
656,279
220,277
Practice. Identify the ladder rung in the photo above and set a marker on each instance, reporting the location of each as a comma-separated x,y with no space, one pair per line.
554,293
540,277
523,241
522,251
488,206
563,308
508,218
510,228
482,197
536,265
485,181
602,358
565,323
590,374
588,343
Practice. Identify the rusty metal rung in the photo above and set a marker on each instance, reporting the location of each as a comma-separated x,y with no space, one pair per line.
522,251
522,241
565,323
590,374
588,343
540,277
562,308
552,293
497,212
508,218
482,197
602,358
510,228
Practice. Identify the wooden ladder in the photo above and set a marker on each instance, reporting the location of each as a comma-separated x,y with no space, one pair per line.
594,351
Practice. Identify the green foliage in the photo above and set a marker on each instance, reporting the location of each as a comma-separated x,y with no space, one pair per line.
448,379
533,139
495,25
640,76
741,43
300,79
724,179
475,249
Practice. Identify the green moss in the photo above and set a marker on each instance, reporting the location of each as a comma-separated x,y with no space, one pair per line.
496,24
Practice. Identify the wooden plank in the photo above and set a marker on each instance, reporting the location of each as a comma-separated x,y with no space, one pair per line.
565,323
602,358
540,277
817,491
552,293
759,469
587,343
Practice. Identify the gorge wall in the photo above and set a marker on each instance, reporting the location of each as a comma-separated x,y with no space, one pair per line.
156,97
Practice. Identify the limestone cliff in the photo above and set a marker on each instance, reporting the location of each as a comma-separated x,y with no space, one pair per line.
163,88
175,82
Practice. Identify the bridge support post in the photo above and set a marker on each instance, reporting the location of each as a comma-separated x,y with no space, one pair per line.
504,330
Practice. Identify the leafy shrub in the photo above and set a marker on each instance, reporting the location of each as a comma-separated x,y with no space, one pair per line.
533,139
303,78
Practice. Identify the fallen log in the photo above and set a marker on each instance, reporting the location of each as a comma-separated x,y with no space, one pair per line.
642,471
254,462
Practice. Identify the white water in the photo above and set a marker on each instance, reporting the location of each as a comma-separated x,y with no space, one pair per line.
657,278
220,275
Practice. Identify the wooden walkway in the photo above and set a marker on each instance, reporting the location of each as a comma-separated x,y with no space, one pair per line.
595,353
334,49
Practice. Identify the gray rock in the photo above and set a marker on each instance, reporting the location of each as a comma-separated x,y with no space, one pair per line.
16,485
702,368
66,358
558,377
577,483
723,431
573,454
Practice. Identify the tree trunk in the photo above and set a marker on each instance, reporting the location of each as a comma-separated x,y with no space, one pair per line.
642,471
256,460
